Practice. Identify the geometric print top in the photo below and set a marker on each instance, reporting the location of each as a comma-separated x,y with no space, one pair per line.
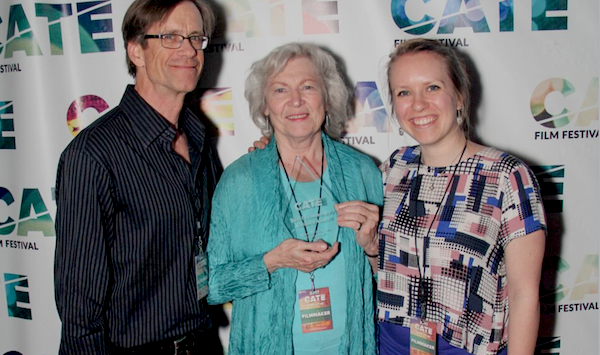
445,230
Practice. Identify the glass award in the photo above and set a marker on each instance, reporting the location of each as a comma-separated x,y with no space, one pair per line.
309,213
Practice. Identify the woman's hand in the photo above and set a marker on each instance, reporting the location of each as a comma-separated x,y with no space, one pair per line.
363,218
259,144
300,255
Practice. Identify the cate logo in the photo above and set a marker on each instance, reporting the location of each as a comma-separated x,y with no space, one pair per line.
34,216
217,104
547,345
548,101
313,22
551,179
418,17
556,89
17,296
92,19
7,125
370,110
75,113
562,282
268,18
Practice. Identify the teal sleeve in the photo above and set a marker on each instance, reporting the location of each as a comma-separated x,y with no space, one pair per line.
231,278
374,183
374,188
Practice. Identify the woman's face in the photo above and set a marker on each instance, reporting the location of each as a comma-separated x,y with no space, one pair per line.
424,98
295,101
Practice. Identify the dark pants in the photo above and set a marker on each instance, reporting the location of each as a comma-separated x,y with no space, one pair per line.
196,342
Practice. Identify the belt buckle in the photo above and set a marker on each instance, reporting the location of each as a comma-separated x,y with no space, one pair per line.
176,344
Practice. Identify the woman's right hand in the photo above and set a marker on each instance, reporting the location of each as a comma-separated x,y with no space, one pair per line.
259,144
300,255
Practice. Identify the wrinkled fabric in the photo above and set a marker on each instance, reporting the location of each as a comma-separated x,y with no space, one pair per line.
247,222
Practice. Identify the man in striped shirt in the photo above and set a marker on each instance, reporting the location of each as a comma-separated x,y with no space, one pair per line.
133,199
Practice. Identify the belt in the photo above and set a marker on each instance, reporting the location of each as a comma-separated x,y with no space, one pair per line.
181,345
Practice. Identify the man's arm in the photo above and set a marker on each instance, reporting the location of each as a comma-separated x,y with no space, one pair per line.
81,271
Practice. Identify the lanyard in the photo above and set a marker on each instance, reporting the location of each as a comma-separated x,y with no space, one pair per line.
308,239
425,287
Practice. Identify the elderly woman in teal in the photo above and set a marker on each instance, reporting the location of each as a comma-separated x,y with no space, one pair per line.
293,239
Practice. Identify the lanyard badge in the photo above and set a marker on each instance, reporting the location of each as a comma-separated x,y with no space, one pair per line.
423,336
315,310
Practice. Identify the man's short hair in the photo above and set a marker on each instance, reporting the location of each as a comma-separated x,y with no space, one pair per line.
142,14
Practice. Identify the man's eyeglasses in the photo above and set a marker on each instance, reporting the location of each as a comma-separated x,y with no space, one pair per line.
173,41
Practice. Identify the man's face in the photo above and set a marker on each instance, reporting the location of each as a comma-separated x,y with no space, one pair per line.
163,72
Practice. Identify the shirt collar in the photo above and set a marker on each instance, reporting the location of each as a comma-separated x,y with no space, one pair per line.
150,126
193,127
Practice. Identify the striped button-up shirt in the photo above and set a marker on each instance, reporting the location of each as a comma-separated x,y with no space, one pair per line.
127,218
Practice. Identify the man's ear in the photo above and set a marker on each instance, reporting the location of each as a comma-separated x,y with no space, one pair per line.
136,54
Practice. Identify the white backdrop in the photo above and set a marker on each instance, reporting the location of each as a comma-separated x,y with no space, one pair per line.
536,68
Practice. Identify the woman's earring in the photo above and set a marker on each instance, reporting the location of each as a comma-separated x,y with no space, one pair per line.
326,119
400,131
268,122
459,118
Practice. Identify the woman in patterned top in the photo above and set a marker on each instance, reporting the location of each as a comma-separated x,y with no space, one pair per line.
463,228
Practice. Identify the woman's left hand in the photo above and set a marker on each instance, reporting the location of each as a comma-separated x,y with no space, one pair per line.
363,218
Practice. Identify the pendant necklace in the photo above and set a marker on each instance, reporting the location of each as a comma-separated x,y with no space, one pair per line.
308,239
425,287
432,186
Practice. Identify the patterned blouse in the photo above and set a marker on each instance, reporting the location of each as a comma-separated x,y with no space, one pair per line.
445,230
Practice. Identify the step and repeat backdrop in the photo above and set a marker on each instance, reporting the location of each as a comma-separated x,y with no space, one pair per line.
535,65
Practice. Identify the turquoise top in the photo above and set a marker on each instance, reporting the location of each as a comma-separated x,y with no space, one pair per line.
247,221
330,278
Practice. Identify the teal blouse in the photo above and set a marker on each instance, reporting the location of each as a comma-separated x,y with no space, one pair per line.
247,222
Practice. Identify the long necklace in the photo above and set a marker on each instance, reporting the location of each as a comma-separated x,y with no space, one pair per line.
425,287
308,239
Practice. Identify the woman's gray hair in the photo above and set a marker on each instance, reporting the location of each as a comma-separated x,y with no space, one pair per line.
337,95
456,68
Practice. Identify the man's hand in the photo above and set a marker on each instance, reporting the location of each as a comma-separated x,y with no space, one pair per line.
259,144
